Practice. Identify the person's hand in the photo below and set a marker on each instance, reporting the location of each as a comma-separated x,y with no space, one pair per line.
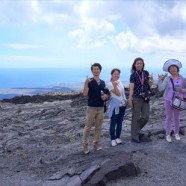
115,83
105,97
130,104
88,80
161,77
151,77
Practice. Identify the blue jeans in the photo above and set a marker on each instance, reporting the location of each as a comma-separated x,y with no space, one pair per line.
116,123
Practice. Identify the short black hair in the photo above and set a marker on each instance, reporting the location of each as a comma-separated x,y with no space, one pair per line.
96,65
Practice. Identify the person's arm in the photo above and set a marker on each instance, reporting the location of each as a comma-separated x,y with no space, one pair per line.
162,83
131,92
86,88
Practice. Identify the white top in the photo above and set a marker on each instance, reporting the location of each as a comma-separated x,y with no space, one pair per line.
120,88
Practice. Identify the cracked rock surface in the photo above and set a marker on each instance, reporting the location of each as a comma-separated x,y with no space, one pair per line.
40,145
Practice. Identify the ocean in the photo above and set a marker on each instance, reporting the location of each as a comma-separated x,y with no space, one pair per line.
15,82
29,78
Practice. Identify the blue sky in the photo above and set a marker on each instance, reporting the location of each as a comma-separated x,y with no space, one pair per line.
67,33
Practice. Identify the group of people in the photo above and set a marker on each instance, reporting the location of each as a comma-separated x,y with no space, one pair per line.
139,95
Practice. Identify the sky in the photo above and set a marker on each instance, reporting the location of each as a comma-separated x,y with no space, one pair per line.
77,33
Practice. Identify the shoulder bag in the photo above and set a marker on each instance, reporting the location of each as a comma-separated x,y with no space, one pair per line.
177,102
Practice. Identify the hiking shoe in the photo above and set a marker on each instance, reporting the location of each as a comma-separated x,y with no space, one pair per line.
168,139
177,137
113,143
97,146
145,138
118,141
135,140
85,149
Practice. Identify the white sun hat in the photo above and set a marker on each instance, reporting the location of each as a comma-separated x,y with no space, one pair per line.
170,62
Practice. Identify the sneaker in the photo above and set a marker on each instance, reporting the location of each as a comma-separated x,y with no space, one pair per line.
177,137
113,143
168,139
97,146
85,149
118,141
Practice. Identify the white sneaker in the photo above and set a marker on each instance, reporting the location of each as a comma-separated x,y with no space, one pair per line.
113,143
118,141
177,137
168,138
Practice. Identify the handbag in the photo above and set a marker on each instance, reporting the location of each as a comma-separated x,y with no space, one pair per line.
177,102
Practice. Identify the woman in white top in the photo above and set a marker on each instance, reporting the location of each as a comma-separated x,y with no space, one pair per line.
117,106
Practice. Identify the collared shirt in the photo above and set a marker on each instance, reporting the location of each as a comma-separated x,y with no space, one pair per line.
138,87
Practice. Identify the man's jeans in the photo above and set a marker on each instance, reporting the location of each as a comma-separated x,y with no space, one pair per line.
116,123
94,116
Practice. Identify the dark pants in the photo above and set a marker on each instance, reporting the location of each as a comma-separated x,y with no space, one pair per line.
116,123
140,116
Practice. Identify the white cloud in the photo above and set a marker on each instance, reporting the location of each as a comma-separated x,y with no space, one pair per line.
31,12
83,40
147,26
152,44
15,13
49,19
34,5
30,61
21,46
92,34
125,40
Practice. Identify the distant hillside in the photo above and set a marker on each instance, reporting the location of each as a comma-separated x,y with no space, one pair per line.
10,93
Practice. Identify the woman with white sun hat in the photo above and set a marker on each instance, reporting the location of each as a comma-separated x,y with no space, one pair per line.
164,83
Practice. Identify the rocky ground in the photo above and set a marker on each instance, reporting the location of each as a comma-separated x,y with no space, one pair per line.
40,145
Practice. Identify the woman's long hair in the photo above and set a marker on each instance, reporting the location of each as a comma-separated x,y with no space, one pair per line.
133,69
